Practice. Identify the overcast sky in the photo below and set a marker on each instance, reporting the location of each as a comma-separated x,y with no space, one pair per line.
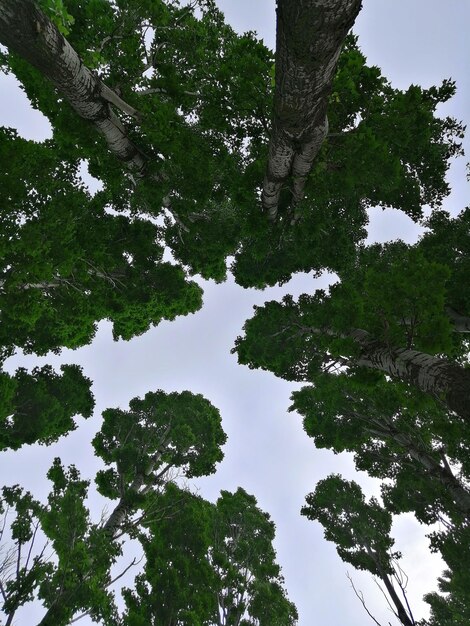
267,453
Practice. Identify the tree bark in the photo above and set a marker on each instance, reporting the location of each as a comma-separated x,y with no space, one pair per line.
25,30
458,492
460,323
309,37
443,379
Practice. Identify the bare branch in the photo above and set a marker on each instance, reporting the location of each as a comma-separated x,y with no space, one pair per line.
360,595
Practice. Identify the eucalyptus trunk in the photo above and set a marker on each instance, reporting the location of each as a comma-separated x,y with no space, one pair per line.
26,31
310,34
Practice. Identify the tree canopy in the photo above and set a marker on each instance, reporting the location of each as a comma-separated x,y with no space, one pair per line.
214,152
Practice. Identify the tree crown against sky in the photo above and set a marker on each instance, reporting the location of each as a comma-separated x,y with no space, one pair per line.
170,65
207,154
160,434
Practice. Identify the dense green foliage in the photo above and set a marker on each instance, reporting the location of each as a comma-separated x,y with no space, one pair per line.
403,297
205,563
70,258
223,565
39,407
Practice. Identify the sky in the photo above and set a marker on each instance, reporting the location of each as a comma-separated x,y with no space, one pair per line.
267,453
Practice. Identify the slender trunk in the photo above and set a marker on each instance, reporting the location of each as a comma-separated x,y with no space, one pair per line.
443,379
402,613
25,30
460,323
122,509
10,618
459,494
141,484
309,37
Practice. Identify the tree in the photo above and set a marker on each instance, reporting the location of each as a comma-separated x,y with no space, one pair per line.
201,156
223,568
189,138
309,37
374,155
396,435
206,563
68,263
389,315
162,432
361,532
40,407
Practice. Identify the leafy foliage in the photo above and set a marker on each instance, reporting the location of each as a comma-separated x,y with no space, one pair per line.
223,565
39,407
68,263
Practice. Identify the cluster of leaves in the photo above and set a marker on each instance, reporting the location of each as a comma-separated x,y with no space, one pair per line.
205,563
39,407
224,551
397,297
70,259
67,262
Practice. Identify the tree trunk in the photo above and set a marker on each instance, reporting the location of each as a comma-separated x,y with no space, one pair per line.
460,323
458,492
443,379
309,37
401,613
25,30
122,509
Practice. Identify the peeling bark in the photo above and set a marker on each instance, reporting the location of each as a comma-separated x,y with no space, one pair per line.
442,379
310,34
25,30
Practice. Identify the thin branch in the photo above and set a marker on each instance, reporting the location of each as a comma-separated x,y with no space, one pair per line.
402,581
386,598
111,582
4,522
360,596
31,546
18,561
2,591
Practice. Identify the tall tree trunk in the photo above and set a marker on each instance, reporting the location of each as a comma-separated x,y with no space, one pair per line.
441,378
445,380
25,30
309,37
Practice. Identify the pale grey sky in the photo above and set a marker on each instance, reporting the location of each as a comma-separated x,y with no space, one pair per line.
413,41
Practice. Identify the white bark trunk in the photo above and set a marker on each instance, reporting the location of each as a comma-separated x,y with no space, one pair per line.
443,379
25,30
310,34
